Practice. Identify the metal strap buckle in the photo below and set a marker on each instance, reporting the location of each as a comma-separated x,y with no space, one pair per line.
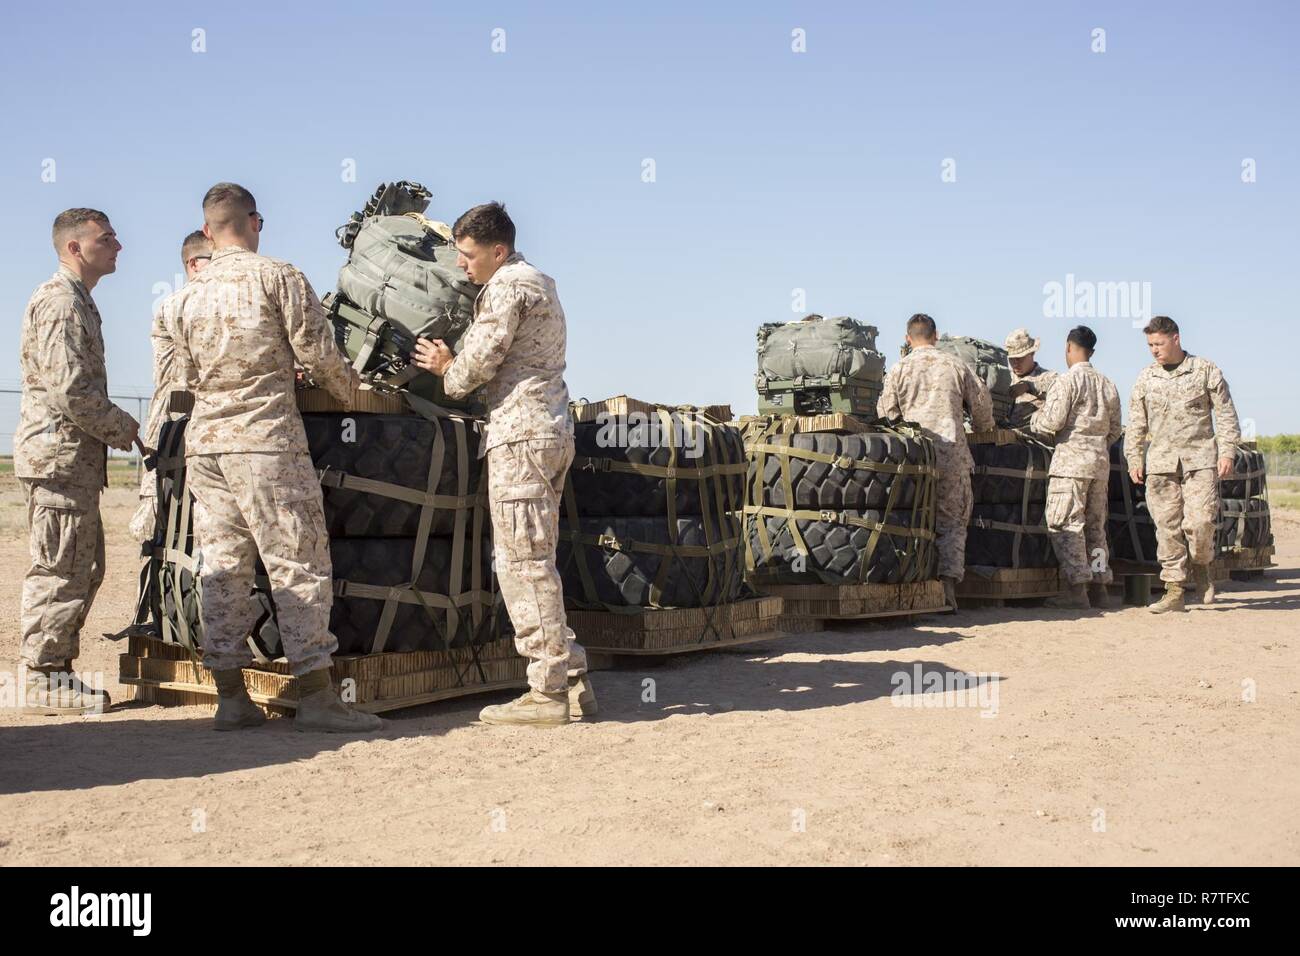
607,541
831,517
844,461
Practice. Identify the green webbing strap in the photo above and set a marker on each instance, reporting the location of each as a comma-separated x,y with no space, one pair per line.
658,471
405,594
418,549
456,578
1024,505
578,554
373,333
1027,473
841,461
332,478
670,508
609,542
830,516
1130,514
990,525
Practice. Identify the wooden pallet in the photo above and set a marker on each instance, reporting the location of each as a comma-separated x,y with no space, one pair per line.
166,674
858,601
623,405
1007,584
664,631
797,424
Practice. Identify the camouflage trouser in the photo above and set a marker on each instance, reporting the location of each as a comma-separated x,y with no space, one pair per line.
1184,507
141,527
267,504
953,500
1076,519
525,480
67,546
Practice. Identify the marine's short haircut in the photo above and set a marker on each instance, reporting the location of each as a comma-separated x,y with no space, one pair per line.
1161,324
195,244
227,204
1083,337
922,326
488,223
70,220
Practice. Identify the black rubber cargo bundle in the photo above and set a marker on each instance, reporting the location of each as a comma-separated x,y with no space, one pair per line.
1009,488
411,552
650,514
817,365
839,508
1130,529
1243,523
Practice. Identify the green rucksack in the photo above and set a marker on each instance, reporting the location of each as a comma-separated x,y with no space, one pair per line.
816,365
401,281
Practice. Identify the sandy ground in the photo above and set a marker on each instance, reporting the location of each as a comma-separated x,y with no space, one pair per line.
1117,738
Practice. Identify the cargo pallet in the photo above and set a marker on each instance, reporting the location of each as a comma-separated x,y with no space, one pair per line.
1007,584
840,602
168,675
608,636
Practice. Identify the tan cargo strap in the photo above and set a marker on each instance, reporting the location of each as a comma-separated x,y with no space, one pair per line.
374,332
1029,474
405,594
1131,518
991,525
609,542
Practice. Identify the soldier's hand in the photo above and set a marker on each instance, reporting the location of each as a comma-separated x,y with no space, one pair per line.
1020,388
1137,475
432,355
1225,467
134,439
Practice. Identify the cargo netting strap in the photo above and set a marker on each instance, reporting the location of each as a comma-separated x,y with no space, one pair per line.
1131,518
915,557
173,553
718,504
444,610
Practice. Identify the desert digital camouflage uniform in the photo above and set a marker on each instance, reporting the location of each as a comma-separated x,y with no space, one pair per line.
237,328
1082,411
1174,409
1040,380
164,381
60,458
515,350
929,387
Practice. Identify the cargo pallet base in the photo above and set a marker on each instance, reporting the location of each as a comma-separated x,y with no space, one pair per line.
607,635
1139,580
1007,584
858,601
166,674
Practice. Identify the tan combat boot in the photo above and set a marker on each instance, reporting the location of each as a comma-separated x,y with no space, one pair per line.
532,708
55,691
1202,585
1099,596
1172,601
950,592
235,709
582,698
1073,598
321,708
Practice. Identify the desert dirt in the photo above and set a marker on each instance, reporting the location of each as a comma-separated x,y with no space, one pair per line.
1102,738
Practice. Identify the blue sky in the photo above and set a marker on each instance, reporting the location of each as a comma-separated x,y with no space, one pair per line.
774,170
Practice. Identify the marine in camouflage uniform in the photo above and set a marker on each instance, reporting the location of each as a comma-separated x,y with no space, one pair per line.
238,328
60,458
1082,412
515,351
1186,412
1035,382
930,388
196,251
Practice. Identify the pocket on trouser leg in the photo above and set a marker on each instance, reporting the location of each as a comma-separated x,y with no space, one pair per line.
524,528
1057,512
54,539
